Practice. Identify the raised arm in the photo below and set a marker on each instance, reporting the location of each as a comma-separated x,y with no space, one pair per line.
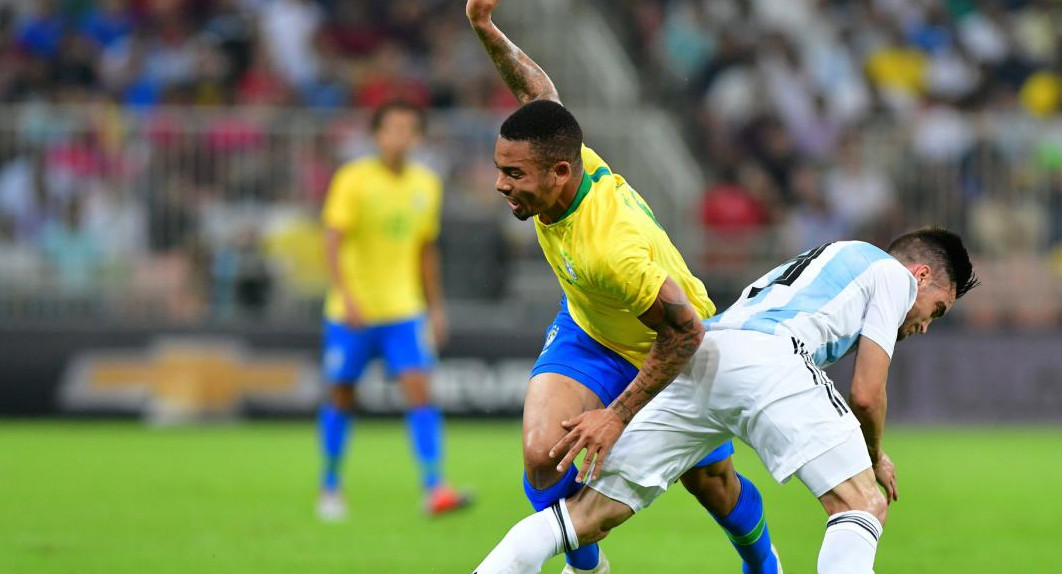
869,403
678,334
524,77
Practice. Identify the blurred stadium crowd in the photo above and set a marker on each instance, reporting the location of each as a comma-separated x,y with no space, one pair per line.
123,162
842,118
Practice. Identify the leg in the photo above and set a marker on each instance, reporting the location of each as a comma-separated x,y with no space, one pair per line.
334,423
552,398
843,481
346,353
857,510
407,354
735,503
565,525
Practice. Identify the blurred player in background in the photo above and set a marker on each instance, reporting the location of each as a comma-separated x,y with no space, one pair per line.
631,313
382,219
758,376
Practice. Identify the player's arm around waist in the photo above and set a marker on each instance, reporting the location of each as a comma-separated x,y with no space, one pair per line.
527,80
679,332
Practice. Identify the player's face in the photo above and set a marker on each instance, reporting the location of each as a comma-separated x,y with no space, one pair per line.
399,131
934,299
527,186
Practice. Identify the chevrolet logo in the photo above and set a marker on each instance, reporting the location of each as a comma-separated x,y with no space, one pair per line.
179,379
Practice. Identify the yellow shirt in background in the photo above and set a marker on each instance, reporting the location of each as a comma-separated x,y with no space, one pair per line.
386,219
611,258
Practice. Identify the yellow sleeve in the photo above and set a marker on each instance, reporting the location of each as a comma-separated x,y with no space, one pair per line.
630,273
340,208
591,161
434,212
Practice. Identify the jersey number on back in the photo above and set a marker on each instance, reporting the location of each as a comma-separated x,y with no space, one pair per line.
791,273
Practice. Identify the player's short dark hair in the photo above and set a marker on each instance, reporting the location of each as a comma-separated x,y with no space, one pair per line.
941,249
380,113
551,129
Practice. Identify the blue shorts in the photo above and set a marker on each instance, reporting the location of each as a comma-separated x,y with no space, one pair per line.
569,351
403,345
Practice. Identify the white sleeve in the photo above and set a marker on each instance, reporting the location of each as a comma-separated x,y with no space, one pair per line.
892,293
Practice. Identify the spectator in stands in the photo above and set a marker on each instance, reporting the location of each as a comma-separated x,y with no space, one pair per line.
812,222
73,253
860,194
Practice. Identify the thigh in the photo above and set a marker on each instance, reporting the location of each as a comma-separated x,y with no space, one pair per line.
667,437
406,347
571,352
859,492
775,399
346,352
837,465
551,398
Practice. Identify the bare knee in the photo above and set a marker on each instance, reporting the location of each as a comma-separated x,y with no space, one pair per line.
594,515
861,493
416,385
716,486
343,397
541,469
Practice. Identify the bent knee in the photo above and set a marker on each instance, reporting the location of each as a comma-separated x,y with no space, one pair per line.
594,515
342,397
877,505
540,468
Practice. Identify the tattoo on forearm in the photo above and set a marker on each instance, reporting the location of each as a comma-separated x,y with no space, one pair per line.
523,76
677,339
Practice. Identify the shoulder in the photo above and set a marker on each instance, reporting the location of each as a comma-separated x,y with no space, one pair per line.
592,162
357,168
425,174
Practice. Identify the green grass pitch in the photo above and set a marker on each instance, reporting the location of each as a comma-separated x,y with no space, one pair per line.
119,497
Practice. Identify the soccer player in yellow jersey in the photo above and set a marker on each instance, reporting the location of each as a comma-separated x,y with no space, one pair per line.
630,317
382,218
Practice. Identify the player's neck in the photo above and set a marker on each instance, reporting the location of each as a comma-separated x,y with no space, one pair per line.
395,164
564,201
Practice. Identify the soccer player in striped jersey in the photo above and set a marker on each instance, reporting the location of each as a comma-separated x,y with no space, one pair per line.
382,218
631,310
758,376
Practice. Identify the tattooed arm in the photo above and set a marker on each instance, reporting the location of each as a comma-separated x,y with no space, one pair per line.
523,76
678,334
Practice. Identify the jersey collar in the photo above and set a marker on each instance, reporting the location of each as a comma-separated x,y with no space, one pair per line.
584,188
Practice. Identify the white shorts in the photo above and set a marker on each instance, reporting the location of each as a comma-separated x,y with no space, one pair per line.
760,388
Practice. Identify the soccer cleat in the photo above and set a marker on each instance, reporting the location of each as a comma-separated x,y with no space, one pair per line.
331,506
601,568
444,499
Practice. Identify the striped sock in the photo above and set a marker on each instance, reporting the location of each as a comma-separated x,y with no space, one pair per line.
850,543
531,542
746,525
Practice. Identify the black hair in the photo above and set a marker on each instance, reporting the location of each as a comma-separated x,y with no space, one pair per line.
551,129
941,249
380,113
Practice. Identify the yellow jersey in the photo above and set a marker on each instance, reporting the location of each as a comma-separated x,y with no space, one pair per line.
386,218
611,257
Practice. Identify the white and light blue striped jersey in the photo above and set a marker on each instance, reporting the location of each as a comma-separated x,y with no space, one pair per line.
827,297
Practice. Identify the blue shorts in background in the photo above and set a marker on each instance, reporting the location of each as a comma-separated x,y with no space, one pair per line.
403,345
569,351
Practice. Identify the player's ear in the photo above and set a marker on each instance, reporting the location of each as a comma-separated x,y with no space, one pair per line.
923,274
562,170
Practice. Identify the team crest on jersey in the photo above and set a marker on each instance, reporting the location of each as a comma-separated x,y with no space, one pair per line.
420,202
549,338
569,268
